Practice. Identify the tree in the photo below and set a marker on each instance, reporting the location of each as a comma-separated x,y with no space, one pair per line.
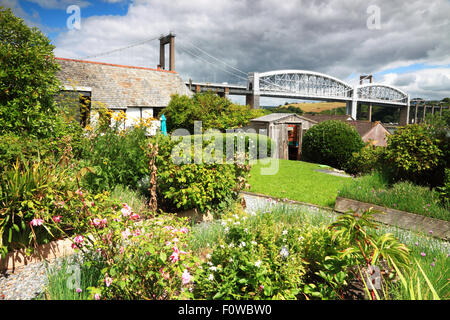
215,112
28,80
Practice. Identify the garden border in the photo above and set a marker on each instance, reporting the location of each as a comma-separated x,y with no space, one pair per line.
49,251
401,219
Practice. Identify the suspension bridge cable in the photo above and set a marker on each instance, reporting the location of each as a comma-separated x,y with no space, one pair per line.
135,44
217,59
183,48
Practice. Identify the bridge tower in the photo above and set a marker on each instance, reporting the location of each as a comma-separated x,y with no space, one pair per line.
252,99
163,41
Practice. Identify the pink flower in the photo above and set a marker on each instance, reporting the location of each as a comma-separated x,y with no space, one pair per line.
175,257
79,290
57,219
126,233
99,222
184,230
96,296
126,210
37,222
261,287
134,216
78,239
185,277
423,254
79,192
108,281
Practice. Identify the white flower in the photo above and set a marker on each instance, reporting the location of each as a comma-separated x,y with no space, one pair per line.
246,230
208,256
231,260
284,252
254,243
236,216
211,277
237,223
300,239
231,245
213,268
242,244
227,229
285,232
258,263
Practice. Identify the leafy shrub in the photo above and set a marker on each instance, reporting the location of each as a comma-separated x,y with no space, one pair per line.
31,196
28,79
263,262
366,160
147,260
205,186
116,158
215,112
332,143
414,153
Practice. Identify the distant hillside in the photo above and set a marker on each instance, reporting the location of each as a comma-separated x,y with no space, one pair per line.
316,107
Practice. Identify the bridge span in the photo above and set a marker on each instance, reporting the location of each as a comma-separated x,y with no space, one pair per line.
309,85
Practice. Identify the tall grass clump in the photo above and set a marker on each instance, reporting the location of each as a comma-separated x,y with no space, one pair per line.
402,195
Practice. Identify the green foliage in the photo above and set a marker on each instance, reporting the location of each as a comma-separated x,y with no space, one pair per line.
415,153
214,112
263,262
366,160
146,261
187,185
28,80
404,195
332,143
444,190
116,158
31,191
288,109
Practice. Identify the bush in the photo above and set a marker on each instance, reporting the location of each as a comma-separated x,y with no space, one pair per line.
28,80
263,262
214,112
116,158
31,196
366,160
415,154
203,186
149,260
332,143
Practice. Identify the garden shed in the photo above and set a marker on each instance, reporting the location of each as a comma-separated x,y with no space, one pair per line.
286,129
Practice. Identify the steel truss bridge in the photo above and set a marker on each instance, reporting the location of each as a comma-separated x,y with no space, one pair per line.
309,85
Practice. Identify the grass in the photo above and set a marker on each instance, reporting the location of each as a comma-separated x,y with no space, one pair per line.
403,196
297,180
318,106
133,198
70,275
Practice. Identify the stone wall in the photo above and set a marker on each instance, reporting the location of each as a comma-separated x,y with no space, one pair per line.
119,87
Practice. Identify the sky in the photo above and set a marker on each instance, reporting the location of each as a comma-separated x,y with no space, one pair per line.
401,43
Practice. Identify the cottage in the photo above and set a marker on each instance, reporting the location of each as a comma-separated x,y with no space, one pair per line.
286,129
141,93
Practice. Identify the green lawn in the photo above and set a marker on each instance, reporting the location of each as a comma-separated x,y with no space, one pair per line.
297,180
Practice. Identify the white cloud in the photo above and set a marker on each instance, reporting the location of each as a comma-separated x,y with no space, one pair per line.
60,4
324,36
431,83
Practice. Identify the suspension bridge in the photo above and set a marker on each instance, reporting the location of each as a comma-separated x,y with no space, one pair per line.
290,84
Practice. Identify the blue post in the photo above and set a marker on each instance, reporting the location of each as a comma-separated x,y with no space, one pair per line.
163,125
